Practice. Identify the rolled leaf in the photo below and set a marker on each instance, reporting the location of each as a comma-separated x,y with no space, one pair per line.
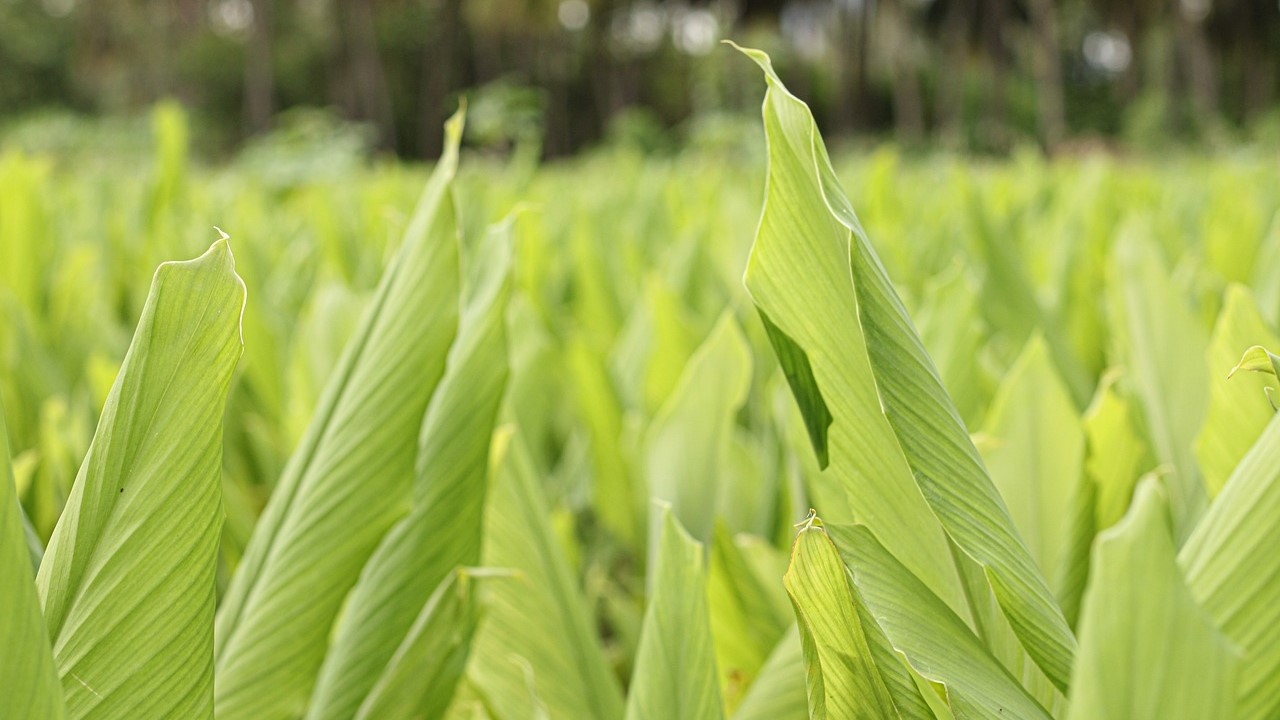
936,643
813,271
840,671
675,672
29,686
443,531
1146,648
1233,571
537,630
349,480
420,677
1238,405
127,581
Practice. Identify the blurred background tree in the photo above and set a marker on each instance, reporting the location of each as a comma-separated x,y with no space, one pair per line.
561,75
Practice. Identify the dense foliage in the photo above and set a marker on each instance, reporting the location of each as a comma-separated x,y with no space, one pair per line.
537,450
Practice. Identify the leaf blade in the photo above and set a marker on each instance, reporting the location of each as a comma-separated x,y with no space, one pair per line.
675,673
842,678
1234,575
128,578
443,532
936,643
1146,648
539,620
924,425
29,685
347,483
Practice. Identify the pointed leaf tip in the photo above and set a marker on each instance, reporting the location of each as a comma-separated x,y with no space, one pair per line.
1257,359
457,121
762,59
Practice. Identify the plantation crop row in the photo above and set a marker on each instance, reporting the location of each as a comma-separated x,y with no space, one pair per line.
512,443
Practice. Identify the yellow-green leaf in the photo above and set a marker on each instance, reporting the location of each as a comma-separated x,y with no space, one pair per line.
1233,571
537,631
349,480
1238,404
1146,648
128,579
675,673
29,686
814,273
443,532
841,675
935,642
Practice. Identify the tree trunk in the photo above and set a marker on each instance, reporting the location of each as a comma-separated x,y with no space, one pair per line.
259,74
366,82
1259,67
439,63
1197,64
1259,84
1134,28
908,107
864,58
997,115
850,72
1048,70
951,75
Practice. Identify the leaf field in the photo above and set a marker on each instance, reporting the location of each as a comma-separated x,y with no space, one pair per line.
759,430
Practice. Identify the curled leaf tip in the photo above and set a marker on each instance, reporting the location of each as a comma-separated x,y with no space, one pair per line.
810,521
1257,359
760,58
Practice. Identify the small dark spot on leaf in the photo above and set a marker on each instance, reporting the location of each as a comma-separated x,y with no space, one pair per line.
122,490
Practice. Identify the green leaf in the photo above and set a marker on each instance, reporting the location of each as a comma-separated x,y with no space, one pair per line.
812,269
419,679
936,643
1162,344
675,674
1266,279
617,496
745,623
598,312
443,531
1116,454
841,675
127,581
1146,648
1036,460
799,279
349,480
688,443
35,548
1234,572
952,328
536,628
1238,406
1257,359
799,373
779,692
945,464
1011,303
654,346
29,686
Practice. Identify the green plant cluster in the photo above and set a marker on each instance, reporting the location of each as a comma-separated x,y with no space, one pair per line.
539,448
